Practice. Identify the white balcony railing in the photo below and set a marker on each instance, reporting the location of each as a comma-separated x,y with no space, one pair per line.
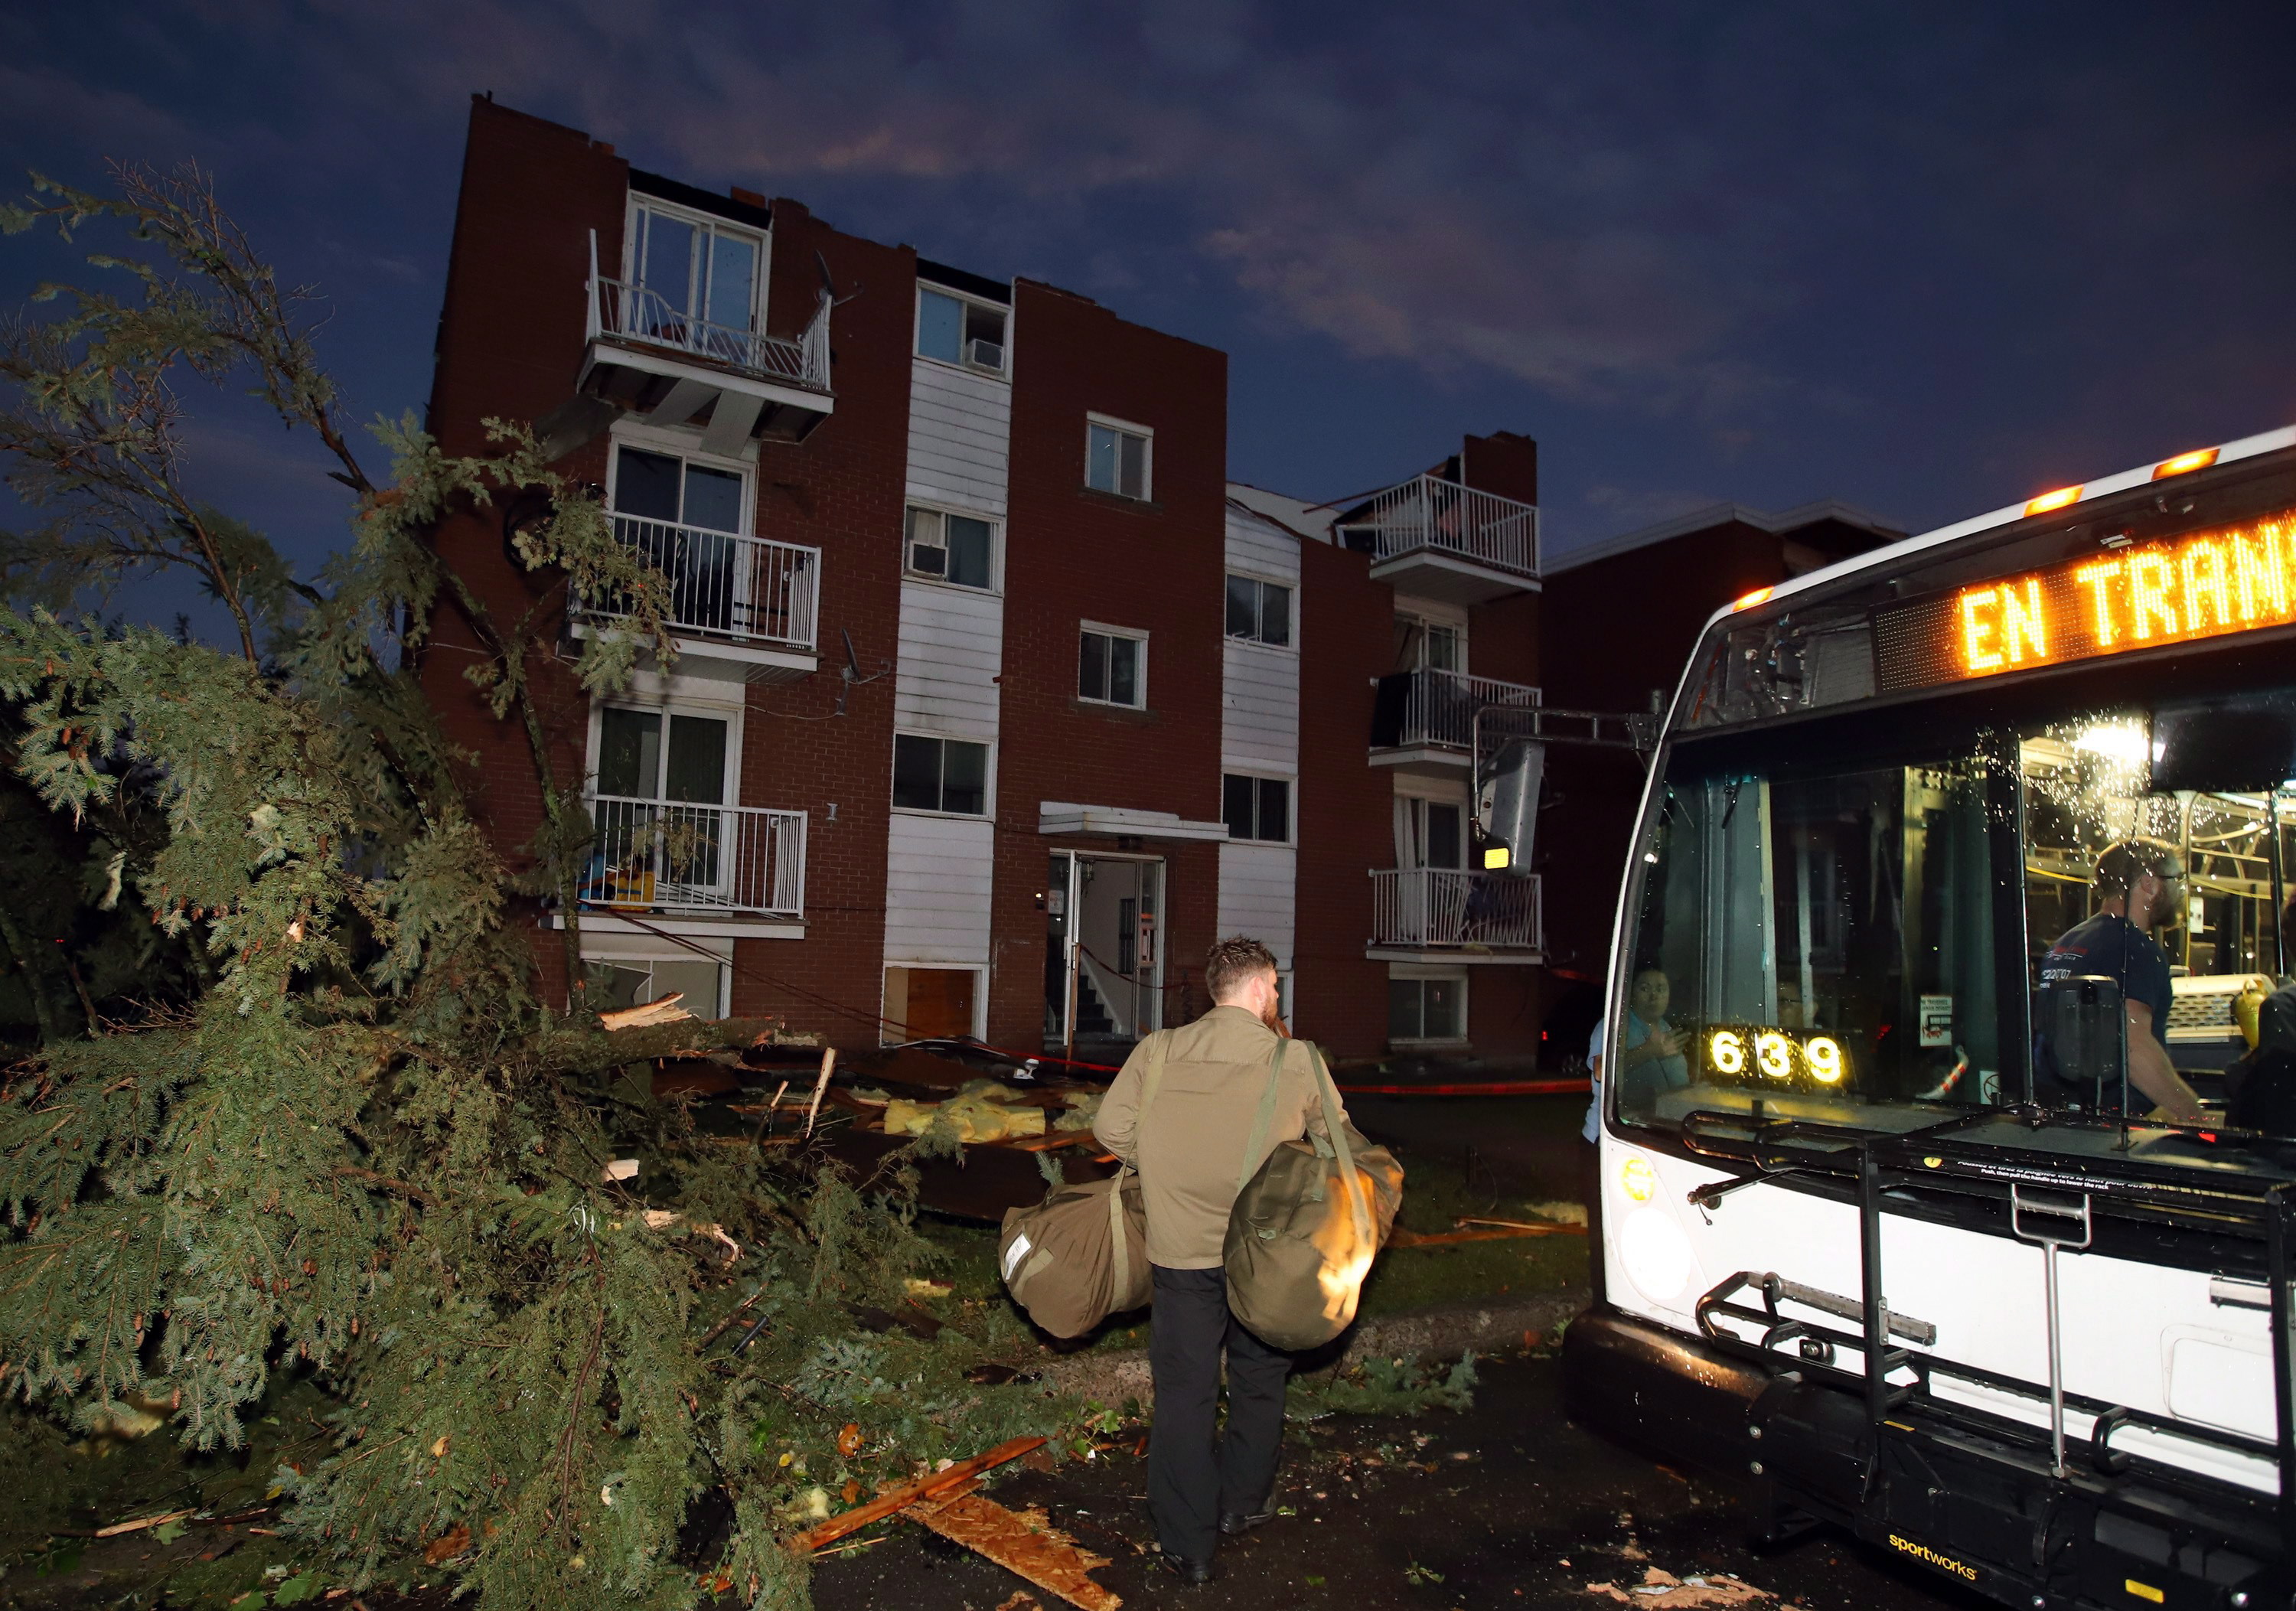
664,855
637,313
1434,907
1438,708
748,589
1428,511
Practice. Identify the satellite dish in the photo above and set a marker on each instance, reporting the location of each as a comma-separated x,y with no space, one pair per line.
829,284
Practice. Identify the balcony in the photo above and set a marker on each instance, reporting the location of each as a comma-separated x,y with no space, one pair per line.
1436,538
1423,721
647,356
1420,914
742,609
681,859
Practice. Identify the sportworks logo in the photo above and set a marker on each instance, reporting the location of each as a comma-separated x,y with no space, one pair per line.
1922,1552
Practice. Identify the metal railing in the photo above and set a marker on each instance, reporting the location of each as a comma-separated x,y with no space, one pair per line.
749,588
638,313
1431,908
1429,512
1433,707
661,855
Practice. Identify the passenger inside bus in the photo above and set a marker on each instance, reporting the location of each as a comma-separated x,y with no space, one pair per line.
1651,1057
2139,884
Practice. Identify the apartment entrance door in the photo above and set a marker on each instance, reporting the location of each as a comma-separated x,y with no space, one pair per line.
1103,950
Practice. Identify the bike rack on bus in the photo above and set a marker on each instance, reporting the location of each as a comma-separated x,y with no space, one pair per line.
1872,1167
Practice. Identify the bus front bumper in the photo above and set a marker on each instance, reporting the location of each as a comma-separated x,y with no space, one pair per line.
1975,1503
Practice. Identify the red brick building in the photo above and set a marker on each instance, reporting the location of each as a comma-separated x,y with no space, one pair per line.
1623,615
994,701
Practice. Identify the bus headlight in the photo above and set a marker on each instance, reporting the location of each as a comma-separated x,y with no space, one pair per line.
1656,1254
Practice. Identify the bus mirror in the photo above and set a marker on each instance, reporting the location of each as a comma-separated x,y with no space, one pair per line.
2236,745
2086,1031
1507,805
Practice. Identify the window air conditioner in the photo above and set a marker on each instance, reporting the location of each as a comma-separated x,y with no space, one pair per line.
928,559
986,354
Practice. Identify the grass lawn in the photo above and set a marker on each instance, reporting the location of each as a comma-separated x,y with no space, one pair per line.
1448,1172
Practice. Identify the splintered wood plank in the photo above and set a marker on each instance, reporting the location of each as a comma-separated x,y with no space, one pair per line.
1021,1541
910,1493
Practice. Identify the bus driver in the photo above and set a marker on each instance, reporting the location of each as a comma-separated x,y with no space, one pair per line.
2140,883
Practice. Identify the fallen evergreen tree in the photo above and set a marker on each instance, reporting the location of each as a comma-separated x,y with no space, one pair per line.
346,1141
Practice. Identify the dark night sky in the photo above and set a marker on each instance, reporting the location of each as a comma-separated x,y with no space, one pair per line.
1928,259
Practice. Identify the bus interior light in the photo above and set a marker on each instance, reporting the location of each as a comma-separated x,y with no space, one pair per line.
2054,500
2200,458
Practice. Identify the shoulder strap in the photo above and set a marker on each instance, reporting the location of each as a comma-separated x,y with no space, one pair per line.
1152,1075
1253,1147
1349,1181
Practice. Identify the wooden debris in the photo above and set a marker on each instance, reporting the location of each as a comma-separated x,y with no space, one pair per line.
1661,1590
1484,1232
828,1062
662,1009
1537,1227
910,1493
140,1523
1021,1541
1020,1599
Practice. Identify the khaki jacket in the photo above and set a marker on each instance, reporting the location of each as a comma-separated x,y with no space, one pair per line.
1189,1149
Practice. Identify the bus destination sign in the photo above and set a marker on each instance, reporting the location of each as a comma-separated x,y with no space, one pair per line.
2237,579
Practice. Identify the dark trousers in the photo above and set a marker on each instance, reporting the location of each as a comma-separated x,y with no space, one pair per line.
1197,1473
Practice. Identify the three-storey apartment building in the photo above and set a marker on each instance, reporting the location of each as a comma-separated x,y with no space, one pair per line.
994,701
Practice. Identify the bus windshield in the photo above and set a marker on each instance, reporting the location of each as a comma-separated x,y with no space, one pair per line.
1886,918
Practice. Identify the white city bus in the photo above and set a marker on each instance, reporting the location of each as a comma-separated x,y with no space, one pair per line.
1857,1246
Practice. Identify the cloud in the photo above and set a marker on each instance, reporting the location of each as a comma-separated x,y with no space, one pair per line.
1402,194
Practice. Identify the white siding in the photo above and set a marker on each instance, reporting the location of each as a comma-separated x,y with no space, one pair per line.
960,437
939,870
1256,883
1255,546
952,648
937,889
1260,732
1260,709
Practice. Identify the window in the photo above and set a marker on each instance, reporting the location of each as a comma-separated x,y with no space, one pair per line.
930,1003
635,763
1258,612
955,330
689,268
662,834
1112,667
1116,458
952,549
619,983
1427,1009
664,486
1421,645
940,775
685,519
1432,833
1257,808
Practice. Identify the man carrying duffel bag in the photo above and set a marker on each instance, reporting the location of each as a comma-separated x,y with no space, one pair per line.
1189,1150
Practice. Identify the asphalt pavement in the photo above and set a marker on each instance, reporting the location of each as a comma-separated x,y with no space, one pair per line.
1509,1505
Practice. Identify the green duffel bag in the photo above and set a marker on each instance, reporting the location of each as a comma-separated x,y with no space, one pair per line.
1308,1224
1081,1254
